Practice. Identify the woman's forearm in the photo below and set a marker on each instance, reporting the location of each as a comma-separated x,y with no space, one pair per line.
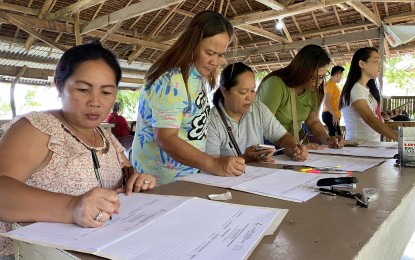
22,203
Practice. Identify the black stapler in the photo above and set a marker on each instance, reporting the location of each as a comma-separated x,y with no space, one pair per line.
339,181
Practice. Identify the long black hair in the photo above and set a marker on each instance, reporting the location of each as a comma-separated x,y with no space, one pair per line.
180,55
305,64
228,79
355,73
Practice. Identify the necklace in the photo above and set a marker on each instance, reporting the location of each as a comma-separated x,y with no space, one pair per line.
86,140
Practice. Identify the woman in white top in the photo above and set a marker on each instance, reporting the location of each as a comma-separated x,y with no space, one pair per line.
360,98
250,120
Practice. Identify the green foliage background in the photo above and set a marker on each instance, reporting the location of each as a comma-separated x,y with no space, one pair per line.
128,100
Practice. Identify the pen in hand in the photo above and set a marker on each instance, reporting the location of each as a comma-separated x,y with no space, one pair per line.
302,140
231,146
233,151
96,170
300,143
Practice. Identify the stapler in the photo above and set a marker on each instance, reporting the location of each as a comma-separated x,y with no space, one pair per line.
338,182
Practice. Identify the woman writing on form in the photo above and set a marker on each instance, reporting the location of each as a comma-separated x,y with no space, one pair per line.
360,98
249,120
173,107
296,87
47,172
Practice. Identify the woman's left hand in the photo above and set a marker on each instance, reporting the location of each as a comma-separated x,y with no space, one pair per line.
253,155
335,142
138,182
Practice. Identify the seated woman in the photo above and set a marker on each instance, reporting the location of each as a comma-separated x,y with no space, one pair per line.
299,86
46,158
360,98
121,127
250,120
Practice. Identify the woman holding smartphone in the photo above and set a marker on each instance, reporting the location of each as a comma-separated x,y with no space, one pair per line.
249,120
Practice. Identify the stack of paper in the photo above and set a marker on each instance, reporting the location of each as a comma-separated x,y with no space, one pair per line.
164,227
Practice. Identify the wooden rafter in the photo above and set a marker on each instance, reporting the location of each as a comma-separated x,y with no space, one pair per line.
32,32
47,5
165,18
366,12
330,40
262,32
77,29
19,9
74,8
127,13
113,29
286,32
272,4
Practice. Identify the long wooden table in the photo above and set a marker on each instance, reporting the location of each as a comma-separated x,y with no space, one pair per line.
328,227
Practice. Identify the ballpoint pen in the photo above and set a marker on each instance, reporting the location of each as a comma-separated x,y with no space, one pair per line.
231,146
300,143
302,140
96,170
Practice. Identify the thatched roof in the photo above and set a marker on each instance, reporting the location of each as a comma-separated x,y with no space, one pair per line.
34,33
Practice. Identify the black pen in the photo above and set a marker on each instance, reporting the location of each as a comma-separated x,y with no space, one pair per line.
230,145
96,167
233,151
302,140
96,170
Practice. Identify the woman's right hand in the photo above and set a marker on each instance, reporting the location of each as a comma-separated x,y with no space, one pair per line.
230,166
86,207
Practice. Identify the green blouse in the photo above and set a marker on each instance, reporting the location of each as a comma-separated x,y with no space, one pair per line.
275,94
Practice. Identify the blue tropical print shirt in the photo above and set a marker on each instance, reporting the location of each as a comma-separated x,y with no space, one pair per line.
167,104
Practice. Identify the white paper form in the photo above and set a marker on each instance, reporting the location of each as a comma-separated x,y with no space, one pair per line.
358,151
251,172
319,160
274,183
391,145
285,184
193,229
136,211
286,160
347,163
198,230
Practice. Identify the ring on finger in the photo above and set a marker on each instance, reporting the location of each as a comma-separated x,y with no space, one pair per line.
146,182
99,216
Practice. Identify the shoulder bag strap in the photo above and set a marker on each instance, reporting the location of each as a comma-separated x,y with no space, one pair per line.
229,130
294,114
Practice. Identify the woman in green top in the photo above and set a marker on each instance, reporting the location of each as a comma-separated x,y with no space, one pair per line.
304,77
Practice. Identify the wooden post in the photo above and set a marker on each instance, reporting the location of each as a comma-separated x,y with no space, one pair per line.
382,58
12,88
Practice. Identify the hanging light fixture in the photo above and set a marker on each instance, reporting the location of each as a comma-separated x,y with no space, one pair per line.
279,24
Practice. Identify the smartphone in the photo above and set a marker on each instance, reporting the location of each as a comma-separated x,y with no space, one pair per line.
261,147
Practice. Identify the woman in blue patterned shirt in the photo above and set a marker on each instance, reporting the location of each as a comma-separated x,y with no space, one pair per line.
173,106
